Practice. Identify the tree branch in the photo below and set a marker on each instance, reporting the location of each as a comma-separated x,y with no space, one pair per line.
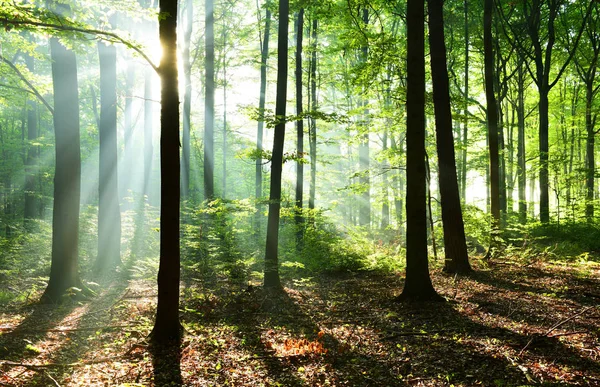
33,89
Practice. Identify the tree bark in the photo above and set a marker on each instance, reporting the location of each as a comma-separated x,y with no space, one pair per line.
64,272
167,328
417,286
209,101
271,278
492,114
299,129
313,120
457,259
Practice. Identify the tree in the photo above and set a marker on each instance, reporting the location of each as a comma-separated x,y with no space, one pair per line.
209,101
264,56
363,147
457,259
271,279
166,325
299,126
187,99
417,285
312,122
492,114
64,272
540,25
30,210
109,212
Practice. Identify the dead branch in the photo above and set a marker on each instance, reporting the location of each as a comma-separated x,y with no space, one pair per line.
555,326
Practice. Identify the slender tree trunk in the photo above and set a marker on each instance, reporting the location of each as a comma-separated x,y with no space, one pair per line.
521,167
313,120
271,279
417,286
166,325
30,209
590,153
187,99
465,133
264,56
364,158
457,259
224,139
299,128
109,211
209,102
64,272
492,114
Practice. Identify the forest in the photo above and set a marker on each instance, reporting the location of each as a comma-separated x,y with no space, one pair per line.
224,193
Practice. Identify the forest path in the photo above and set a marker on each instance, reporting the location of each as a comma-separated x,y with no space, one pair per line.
515,323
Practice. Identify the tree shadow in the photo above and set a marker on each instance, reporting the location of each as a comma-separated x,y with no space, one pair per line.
166,364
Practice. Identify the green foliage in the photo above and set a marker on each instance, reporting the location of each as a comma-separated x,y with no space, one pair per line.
477,227
568,240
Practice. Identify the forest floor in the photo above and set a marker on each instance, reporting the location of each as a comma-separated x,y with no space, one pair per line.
512,323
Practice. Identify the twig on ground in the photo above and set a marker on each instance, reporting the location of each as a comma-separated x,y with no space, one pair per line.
554,327
47,374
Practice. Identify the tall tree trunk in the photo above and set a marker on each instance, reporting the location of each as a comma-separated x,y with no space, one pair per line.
521,167
187,99
166,325
364,158
417,286
313,120
465,133
271,278
64,272
492,114
224,138
209,101
457,259
264,56
30,209
299,127
590,153
109,212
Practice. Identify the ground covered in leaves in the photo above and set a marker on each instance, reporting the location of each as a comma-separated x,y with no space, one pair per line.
508,324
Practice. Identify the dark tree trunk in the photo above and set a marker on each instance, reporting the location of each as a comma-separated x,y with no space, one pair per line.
313,120
166,326
299,127
209,101
271,279
492,114
64,272
187,100
590,153
417,286
457,259
109,212
30,209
